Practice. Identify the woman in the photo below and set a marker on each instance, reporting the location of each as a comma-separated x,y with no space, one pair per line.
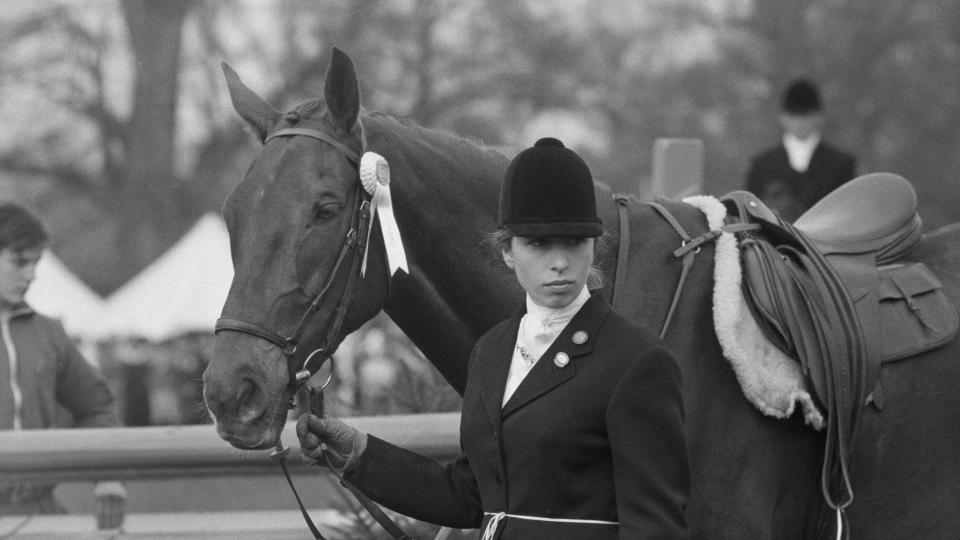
572,423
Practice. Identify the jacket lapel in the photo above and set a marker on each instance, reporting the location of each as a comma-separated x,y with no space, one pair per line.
494,369
547,374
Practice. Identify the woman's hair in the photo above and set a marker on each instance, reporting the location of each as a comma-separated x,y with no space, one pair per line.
499,241
19,229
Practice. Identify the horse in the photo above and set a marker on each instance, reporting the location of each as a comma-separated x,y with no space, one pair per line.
291,220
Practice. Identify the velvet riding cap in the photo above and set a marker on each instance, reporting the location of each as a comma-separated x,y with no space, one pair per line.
801,98
548,191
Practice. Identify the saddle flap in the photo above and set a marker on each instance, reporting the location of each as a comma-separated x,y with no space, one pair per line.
915,314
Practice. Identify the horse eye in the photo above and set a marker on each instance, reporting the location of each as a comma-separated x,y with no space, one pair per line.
325,211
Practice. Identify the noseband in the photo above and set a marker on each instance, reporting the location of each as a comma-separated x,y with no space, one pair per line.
353,247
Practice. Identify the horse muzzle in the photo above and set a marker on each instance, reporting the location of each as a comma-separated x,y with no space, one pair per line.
249,403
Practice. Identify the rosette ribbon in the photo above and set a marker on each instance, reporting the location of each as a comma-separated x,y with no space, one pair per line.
375,177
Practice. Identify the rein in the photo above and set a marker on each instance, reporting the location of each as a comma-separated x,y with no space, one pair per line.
353,247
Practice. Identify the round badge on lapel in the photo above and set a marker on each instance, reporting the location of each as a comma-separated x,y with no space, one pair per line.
561,359
579,337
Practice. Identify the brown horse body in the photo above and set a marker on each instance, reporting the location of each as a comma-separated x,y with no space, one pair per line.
752,476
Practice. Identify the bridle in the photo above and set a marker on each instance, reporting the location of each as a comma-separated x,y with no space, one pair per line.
353,247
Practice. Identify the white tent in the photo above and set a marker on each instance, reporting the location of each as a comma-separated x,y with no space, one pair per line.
59,293
181,291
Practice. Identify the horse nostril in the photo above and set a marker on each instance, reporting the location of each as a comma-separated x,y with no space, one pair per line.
246,392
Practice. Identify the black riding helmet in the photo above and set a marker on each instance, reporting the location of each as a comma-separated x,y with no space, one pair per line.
548,191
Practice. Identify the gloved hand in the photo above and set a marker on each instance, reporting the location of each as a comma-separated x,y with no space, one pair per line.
344,443
110,504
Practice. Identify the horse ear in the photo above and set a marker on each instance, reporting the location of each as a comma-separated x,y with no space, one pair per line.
251,107
342,91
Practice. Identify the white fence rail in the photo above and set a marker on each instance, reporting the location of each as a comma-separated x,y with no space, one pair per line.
189,451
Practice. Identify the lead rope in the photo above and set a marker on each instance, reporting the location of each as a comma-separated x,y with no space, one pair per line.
378,514
280,454
316,407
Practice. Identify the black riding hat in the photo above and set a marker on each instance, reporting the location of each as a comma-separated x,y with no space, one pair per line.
548,191
801,98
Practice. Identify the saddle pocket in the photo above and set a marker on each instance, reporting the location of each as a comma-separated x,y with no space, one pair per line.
915,313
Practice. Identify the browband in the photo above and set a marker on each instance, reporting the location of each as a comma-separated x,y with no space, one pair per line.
350,153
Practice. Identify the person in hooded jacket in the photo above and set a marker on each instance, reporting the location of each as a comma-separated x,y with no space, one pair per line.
42,374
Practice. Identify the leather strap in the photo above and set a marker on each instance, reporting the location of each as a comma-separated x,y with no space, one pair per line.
315,404
280,454
845,388
350,153
623,251
687,251
807,293
844,364
378,514
239,325
685,264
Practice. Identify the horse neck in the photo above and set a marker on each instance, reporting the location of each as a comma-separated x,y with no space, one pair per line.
445,195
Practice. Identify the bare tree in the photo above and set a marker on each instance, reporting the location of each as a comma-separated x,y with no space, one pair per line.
152,205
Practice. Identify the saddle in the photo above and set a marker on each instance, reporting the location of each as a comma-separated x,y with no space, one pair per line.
835,291
866,229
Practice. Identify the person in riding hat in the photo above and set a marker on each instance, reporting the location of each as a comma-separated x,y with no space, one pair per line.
802,168
572,420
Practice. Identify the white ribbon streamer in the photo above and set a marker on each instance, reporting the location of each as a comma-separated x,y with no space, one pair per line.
375,177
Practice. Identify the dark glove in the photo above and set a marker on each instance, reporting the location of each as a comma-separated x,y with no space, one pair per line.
344,444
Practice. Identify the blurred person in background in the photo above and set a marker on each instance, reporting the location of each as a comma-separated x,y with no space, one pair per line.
796,173
42,373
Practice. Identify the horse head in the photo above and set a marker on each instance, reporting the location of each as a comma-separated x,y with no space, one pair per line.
298,223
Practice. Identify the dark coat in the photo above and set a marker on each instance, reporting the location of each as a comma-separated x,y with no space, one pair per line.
598,439
790,192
